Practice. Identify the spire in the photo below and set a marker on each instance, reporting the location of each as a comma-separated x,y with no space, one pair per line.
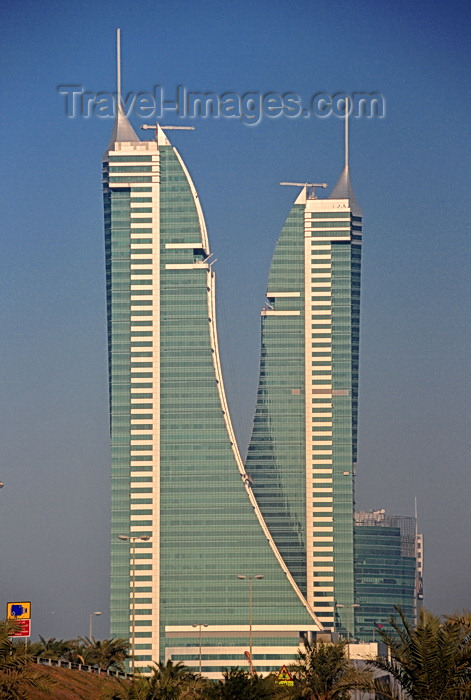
122,130
343,189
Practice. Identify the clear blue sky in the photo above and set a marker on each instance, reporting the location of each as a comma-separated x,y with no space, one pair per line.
411,174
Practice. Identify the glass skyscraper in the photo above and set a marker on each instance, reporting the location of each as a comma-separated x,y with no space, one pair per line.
185,523
302,453
388,569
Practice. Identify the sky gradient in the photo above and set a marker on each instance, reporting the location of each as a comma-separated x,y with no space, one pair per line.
411,175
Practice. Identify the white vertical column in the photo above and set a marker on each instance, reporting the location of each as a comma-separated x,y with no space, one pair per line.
308,413
156,412
319,448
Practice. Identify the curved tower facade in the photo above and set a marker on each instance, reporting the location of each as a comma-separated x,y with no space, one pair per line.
303,448
185,524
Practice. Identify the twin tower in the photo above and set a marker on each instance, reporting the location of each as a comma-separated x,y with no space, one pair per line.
217,563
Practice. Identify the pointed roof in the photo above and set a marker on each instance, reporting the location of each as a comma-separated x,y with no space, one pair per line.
122,130
344,190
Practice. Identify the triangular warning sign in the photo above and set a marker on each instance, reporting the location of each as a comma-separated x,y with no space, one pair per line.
284,677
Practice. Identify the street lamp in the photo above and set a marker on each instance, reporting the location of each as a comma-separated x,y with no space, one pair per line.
98,612
349,609
250,578
200,626
132,539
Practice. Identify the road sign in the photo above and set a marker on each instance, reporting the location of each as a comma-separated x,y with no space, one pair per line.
19,611
284,677
24,629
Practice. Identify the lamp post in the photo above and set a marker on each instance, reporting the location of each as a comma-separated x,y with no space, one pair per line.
200,626
132,539
250,578
98,612
349,609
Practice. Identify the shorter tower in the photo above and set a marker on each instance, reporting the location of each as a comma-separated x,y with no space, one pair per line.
388,569
303,450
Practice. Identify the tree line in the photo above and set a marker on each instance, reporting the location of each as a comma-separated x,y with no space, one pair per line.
428,661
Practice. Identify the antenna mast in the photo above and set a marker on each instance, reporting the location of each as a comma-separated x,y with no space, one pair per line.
346,132
118,65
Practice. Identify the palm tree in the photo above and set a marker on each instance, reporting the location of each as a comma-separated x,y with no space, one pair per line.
138,688
18,678
431,661
195,688
105,653
51,648
240,683
323,672
463,619
169,681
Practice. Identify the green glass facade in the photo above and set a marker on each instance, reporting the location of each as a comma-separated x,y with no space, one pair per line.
385,571
177,477
303,448
278,434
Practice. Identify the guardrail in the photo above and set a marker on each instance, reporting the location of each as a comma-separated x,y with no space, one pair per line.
88,668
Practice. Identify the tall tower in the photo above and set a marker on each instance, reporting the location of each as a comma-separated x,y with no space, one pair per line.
303,448
185,524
